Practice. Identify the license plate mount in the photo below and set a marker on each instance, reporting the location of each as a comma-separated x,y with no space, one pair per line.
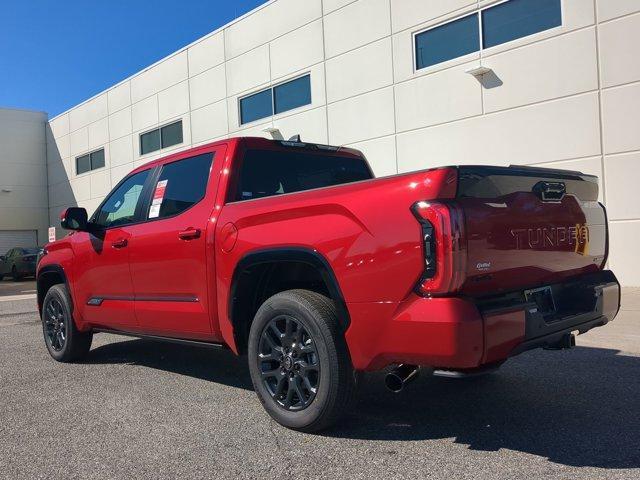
543,298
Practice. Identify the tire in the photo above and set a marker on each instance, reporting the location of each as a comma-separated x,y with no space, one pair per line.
317,342
62,338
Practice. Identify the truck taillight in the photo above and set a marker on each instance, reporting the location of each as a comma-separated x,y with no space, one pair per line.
444,247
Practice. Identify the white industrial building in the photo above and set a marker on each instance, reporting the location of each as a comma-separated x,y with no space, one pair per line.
412,83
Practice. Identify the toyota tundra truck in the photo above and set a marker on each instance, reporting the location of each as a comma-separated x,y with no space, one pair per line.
294,255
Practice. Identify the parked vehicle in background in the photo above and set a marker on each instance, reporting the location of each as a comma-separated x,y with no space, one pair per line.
293,254
19,263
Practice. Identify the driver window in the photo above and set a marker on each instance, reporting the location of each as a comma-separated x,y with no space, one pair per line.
120,207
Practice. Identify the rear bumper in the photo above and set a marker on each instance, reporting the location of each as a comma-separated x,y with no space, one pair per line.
462,333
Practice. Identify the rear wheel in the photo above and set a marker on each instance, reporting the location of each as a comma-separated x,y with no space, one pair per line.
64,341
299,362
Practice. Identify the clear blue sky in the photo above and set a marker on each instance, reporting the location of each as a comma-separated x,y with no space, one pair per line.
56,53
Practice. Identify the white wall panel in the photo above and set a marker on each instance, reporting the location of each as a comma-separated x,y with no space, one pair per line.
89,112
60,125
120,152
364,117
297,50
98,133
359,71
206,54
621,118
520,136
619,51
408,13
541,71
438,98
119,97
209,122
623,245
248,71
373,23
173,101
381,155
268,23
622,186
331,5
608,9
100,183
208,87
311,125
120,123
163,75
144,114
79,142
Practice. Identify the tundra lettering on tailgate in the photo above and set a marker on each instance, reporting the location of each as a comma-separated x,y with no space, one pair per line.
555,237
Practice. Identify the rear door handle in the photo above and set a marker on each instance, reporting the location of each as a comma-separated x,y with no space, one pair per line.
189,234
120,243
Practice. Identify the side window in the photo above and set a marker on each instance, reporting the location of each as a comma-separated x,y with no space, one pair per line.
181,185
120,206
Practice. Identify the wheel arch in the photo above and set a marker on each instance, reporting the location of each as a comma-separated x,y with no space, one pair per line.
263,273
48,276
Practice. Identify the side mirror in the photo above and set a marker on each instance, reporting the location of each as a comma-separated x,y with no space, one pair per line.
74,218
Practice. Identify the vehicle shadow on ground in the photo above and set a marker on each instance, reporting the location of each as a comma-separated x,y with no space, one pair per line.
577,408
212,365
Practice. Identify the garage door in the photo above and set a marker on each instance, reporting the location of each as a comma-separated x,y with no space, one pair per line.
17,238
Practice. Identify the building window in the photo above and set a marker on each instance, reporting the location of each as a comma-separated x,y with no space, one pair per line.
162,137
90,161
496,25
518,18
448,41
277,99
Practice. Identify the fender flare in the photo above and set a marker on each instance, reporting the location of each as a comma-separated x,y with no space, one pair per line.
298,255
58,270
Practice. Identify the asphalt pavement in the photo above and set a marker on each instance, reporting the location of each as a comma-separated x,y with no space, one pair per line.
137,409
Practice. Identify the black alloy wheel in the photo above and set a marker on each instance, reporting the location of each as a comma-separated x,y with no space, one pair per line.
54,324
288,363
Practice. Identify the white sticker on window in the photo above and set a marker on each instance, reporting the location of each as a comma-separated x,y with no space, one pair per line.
154,211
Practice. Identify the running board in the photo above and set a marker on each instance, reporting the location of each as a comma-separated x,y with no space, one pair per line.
159,338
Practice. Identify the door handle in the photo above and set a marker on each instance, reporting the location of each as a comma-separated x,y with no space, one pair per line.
120,243
189,234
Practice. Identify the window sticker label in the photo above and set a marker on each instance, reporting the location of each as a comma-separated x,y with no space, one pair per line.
154,211
158,196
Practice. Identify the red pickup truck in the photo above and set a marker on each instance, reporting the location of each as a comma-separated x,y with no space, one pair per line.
293,254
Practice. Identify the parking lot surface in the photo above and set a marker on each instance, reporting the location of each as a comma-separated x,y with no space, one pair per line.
136,409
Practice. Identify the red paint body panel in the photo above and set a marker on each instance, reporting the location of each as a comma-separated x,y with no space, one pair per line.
166,283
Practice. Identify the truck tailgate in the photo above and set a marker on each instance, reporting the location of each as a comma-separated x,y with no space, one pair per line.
529,227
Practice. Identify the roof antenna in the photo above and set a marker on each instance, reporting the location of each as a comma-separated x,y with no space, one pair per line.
295,138
274,132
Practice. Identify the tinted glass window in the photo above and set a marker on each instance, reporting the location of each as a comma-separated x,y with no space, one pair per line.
97,159
254,107
150,142
293,94
120,206
447,41
171,134
181,185
83,164
265,173
519,18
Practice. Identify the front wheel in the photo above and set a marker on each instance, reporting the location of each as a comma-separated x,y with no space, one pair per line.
64,341
299,362
15,275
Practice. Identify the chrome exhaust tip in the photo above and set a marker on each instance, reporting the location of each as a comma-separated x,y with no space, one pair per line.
400,376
